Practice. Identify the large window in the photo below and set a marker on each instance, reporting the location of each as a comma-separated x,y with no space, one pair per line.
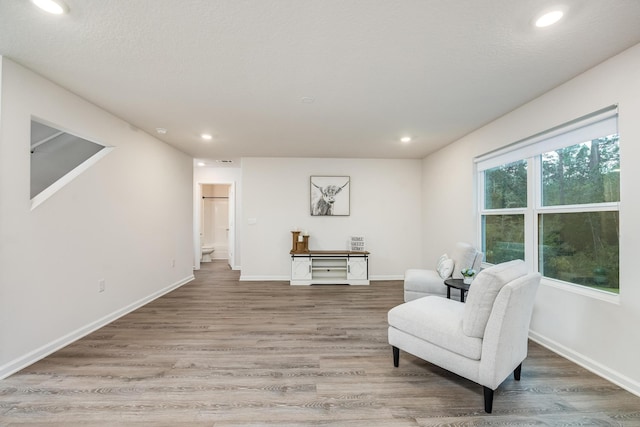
553,201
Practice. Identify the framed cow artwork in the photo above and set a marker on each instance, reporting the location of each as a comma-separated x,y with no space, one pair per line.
330,195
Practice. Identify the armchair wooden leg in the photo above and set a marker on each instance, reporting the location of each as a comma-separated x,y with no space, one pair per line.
516,373
488,393
396,356
488,400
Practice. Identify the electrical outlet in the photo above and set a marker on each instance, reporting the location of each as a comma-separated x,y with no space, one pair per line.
102,284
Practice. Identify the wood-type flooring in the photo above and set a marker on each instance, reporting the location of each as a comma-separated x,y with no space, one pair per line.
223,353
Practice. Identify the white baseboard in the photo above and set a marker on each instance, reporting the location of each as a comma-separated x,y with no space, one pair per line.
599,369
245,278
42,352
383,277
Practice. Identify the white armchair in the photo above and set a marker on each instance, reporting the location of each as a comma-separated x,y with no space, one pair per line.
424,282
484,339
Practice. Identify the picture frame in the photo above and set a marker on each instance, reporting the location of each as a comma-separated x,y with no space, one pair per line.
330,195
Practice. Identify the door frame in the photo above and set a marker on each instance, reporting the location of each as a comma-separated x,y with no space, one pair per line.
197,211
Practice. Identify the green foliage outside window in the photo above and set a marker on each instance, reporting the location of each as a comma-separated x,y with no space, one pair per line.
504,238
583,173
505,187
580,248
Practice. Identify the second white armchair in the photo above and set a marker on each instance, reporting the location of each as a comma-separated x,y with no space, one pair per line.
424,282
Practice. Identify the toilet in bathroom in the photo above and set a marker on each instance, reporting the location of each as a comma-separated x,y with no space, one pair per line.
206,253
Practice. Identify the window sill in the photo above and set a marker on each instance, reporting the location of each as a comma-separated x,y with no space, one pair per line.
582,290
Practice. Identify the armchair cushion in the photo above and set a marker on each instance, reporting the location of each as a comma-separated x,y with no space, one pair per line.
445,267
438,321
441,259
483,292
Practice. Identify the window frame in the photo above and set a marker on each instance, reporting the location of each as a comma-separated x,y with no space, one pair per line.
531,149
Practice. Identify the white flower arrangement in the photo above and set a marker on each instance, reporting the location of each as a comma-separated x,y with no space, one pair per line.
468,272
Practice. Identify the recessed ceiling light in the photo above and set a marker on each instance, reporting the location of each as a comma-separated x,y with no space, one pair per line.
405,139
161,131
56,7
307,100
549,18
206,136
202,164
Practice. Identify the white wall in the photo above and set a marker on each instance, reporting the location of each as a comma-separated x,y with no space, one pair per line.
219,175
124,220
384,209
602,336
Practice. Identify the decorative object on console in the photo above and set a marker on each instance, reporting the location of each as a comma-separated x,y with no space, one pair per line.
300,243
330,195
357,243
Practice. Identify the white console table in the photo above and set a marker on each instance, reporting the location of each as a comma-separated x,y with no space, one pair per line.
330,267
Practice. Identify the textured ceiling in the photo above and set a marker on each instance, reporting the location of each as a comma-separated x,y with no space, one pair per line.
375,69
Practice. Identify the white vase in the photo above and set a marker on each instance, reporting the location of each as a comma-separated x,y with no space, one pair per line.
467,280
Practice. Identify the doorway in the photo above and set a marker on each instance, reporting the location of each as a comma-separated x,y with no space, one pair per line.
215,229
